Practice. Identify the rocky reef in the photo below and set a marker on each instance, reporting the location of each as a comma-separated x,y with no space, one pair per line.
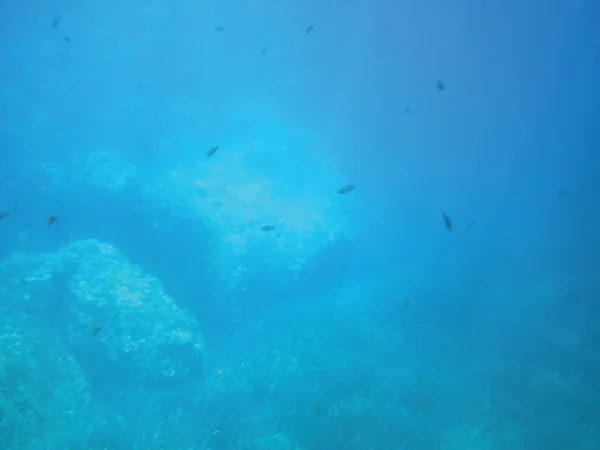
233,194
68,314
92,291
43,390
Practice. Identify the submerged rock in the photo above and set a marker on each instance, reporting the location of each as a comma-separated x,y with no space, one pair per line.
235,196
100,169
43,391
231,197
141,325
108,310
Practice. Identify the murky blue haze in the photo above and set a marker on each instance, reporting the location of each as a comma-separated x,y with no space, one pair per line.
181,266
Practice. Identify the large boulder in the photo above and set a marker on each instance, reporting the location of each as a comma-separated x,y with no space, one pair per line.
245,189
101,304
141,325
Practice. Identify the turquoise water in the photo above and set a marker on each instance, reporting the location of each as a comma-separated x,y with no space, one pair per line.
153,296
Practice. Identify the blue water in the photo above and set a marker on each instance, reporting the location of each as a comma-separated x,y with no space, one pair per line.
360,321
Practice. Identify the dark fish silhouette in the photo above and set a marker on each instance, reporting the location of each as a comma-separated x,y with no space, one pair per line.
50,220
212,151
4,215
67,39
346,189
439,84
267,228
96,330
471,223
56,22
447,221
309,29
218,29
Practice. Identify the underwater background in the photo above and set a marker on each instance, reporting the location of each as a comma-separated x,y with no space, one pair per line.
357,225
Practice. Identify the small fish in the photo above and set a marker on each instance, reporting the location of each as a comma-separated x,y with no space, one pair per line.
50,220
471,223
562,191
96,330
4,215
56,22
316,412
547,318
447,221
439,84
264,50
212,151
267,228
141,87
24,281
346,189
407,110
406,303
309,29
67,39
218,29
